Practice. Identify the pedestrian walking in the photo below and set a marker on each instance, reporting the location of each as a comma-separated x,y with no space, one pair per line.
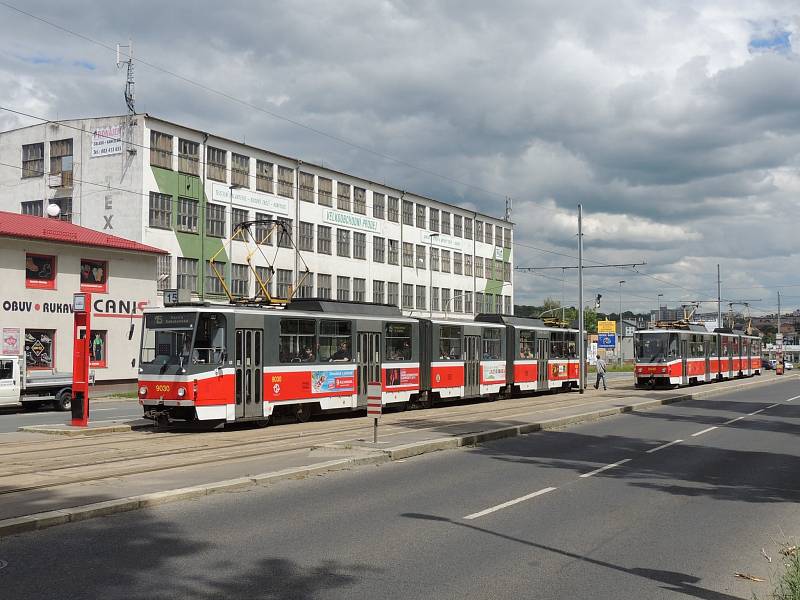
601,373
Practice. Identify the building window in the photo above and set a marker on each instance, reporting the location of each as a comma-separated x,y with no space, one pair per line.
467,230
238,216
408,212
489,268
468,302
65,208
285,182
458,267
478,302
61,161
445,261
187,274
488,230
40,271
408,296
445,222
342,196
305,285
421,216
433,219
97,349
445,299
342,242
359,200
507,272
94,275
263,229
394,252
160,149
240,170
394,209
215,220
216,163
284,287
323,239
434,298
507,238
478,231
39,348
359,245
264,281
306,187
468,265
324,286
160,210
33,160
240,280
420,256
478,266
488,300
188,157
378,205
359,290
306,235
214,281
498,236
325,194
408,254
284,232
458,301
507,305
264,176
377,291
343,288
393,293
163,272
188,215
434,259
458,227
34,208
420,304
378,249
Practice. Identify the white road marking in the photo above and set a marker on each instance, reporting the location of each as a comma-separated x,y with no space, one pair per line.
704,431
509,503
734,420
755,412
601,469
792,398
662,446
773,405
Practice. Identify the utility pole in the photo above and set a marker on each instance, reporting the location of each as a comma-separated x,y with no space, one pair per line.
621,349
779,313
581,347
719,299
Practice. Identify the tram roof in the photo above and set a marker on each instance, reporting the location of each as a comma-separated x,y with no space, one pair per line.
529,322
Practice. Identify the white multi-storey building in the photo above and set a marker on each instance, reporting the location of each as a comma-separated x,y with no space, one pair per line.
185,190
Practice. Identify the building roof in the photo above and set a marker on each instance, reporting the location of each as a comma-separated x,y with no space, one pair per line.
29,227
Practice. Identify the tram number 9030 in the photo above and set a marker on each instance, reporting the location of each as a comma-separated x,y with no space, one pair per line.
162,388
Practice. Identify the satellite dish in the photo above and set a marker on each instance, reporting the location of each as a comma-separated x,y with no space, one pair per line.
53,210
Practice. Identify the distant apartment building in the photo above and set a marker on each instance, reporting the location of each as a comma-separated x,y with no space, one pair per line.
185,190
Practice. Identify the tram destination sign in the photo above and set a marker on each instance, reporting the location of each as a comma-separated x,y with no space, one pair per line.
171,320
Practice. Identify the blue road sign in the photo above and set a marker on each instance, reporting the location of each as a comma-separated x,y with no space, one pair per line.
607,340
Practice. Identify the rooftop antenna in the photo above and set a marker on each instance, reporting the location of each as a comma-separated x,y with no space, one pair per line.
130,85
509,207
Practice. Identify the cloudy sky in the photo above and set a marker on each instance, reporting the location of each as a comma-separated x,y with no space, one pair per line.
676,124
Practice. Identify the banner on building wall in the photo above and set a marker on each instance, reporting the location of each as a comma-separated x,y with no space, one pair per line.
346,219
445,241
106,141
11,341
243,197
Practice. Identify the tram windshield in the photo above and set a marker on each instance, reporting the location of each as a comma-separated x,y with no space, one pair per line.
183,338
655,347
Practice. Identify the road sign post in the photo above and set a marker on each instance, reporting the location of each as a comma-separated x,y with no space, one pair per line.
606,341
374,406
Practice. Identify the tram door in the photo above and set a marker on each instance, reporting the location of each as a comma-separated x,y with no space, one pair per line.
543,352
369,363
472,365
248,373
707,353
684,361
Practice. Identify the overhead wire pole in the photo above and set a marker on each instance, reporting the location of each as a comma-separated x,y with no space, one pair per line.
719,299
581,332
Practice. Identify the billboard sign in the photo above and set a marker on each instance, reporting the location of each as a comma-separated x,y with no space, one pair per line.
606,327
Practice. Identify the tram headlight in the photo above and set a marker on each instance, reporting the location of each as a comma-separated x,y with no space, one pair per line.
142,391
181,392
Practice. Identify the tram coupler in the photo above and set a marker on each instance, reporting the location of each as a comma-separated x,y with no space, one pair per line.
160,418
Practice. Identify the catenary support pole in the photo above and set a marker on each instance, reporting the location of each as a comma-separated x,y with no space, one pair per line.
581,333
719,299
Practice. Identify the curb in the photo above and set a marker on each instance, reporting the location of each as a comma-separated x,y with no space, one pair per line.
44,520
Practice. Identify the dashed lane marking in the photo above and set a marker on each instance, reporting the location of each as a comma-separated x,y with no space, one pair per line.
606,468
509,503
662,446
704,431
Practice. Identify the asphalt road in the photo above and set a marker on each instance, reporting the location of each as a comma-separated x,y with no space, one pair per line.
12,418
617,508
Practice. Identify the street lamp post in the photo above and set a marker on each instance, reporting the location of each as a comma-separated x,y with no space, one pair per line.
430,272
658,309
621,348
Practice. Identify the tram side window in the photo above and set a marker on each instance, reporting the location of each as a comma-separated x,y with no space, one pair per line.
298,340
696,348
735,346
527,344
335,341
209,342
398,341
673,345
572,344
557,345
491,344
450,343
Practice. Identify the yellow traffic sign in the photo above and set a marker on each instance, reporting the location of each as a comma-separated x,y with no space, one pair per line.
606,326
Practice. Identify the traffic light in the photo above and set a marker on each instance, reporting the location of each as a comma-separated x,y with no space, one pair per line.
597,301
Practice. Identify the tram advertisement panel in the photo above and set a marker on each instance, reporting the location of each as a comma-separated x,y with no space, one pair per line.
402,377
340,380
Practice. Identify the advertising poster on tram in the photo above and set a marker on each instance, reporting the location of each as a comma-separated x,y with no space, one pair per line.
339,380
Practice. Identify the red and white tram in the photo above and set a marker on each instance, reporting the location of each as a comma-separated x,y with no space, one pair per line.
687,353
227,363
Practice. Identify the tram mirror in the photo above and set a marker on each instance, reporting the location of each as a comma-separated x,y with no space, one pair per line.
130,331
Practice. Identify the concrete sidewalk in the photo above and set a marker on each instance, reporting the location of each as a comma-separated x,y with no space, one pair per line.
36,498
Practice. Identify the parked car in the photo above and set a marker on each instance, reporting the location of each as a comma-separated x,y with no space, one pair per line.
771,364
788,366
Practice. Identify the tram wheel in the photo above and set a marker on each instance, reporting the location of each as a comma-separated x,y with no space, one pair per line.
303,413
